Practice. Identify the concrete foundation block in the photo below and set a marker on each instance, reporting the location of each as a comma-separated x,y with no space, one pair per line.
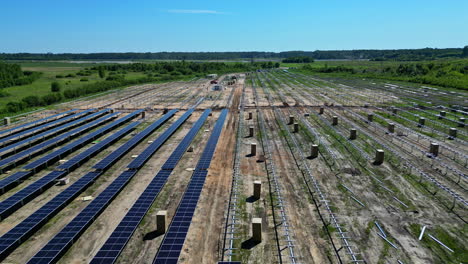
257,229
253,149
161,218
257,189
391,127
335,120
314,151
379,157
434,149
352,134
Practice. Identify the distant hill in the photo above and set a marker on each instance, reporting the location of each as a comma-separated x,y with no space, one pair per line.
397,55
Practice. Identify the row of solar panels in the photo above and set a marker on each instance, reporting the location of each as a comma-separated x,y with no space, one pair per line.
34,167
171,246
114,245
17,200
13,238
34,123
14,160
7,140
12,148
58,245
147,153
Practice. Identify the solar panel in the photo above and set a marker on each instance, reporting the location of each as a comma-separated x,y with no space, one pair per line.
111,159
110,251
6,140
171,246
91,152
13,160
47,133
12,203
23,196
52,157
25,126
138,162
11,181
57,246
13,238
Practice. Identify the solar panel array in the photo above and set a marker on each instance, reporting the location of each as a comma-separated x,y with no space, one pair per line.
6,140
138,162
12,161
77,160
22,127
173,241
17,200
11,181
49,132
111,159
110,251
58,154
58,245
13,238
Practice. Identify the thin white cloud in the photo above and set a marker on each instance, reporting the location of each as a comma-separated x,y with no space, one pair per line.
194,11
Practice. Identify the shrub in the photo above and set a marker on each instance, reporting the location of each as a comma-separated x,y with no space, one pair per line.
84,80
49,99
32,100
55,87
14,107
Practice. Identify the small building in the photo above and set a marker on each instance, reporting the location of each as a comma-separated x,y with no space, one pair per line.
218,87
212,76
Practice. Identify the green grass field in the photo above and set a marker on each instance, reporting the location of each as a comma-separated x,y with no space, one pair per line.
49,70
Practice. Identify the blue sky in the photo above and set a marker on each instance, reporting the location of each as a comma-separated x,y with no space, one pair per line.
228,25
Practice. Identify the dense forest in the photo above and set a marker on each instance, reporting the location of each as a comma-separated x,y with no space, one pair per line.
451,73
401,55
301,59
11,75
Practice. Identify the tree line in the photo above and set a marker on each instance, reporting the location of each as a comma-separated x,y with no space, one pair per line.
446,73
11,75
300,59
397,55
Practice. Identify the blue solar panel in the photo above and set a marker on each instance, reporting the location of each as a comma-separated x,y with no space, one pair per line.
13,160
138,162
5,151
58,154
11,181
111,159
22,127
52,251
30,225
6,140
23,196
120,236
12,203
174,239
13,238
87,154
